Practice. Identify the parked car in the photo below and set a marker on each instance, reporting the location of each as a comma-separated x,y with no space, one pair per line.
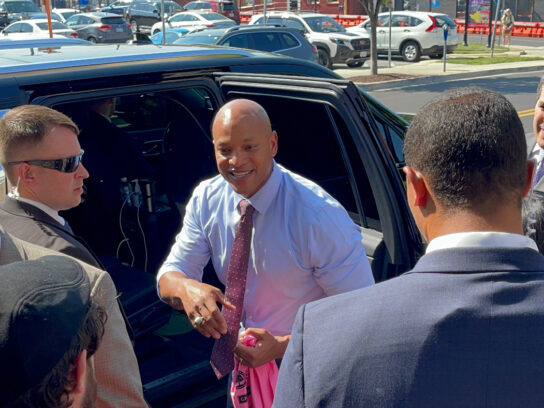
334,44
14,10
172,34
100,27
281,40
142,15
64,13
117,7
330,131
38,28
226,7
194,19
413,34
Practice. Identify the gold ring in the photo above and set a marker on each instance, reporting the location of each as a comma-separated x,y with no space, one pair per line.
198,321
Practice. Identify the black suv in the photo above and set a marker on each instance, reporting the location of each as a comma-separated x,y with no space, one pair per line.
143,14
13,10
329,130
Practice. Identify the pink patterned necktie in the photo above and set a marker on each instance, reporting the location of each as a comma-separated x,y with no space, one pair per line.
222,359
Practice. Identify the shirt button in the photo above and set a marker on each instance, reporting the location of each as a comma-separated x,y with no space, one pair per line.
247,290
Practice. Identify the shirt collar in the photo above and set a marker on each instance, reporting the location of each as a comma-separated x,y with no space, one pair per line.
537,153
45,208
261,199
481,239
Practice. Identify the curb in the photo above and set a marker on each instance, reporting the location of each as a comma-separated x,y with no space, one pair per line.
436,79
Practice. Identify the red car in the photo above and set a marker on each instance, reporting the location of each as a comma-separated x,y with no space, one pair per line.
225,7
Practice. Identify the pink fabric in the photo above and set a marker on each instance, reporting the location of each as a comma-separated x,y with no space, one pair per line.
253,387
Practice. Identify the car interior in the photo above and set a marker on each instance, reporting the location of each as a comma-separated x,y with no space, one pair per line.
172,130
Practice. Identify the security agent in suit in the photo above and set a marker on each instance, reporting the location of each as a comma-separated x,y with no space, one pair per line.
41,156
536,150
464,328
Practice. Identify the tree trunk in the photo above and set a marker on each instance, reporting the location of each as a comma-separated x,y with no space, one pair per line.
371,8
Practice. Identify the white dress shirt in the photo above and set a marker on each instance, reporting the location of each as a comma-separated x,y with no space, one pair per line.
481,239
304,246
45,208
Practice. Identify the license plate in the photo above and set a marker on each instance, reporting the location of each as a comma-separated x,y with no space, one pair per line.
363,54
231,14
119,29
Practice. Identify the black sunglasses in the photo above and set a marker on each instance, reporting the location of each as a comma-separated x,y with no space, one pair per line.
66,165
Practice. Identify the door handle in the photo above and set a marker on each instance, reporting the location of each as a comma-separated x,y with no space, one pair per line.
406,31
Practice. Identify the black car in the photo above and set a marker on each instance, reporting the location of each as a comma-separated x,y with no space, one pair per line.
117,7
281,40
143,14
330,131
13,10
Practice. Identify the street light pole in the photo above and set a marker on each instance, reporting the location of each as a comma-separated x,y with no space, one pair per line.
465,36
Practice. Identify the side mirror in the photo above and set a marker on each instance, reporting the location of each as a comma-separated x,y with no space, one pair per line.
156,11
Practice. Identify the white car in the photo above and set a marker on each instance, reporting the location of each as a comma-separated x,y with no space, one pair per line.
413,34
334,44
28,29
65,13
194,19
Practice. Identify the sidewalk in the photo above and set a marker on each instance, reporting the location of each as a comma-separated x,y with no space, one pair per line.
431,71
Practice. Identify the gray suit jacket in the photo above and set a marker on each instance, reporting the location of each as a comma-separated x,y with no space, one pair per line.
31,224
464,328
116,368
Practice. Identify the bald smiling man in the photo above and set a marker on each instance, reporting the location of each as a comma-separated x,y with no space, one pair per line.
303,245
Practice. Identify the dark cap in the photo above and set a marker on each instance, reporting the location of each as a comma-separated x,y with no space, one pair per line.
42,306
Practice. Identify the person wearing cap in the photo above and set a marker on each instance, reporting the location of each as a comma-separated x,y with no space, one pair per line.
41,156
49,331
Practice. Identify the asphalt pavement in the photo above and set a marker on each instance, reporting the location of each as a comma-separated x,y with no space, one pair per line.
432,71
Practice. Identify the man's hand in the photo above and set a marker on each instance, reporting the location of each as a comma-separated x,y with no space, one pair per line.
268,348
198,300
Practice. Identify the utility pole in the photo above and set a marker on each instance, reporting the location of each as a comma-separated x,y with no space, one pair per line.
490,35
465,37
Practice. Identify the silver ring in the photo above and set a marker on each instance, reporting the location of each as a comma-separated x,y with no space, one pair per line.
198,321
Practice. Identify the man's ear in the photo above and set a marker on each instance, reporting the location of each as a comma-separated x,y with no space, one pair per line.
80,373
416,186
531,165
26,174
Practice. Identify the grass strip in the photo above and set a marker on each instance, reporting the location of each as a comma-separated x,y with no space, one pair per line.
489,60
477,48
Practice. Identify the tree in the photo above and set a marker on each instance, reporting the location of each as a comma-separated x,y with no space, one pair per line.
372,8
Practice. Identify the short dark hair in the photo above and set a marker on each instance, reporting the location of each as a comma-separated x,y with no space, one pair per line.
539,89
470,145
53,391
24,126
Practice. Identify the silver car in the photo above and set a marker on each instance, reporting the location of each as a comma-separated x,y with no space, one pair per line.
100,27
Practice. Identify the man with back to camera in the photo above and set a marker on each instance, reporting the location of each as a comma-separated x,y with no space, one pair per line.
49,331
296,244
41,156
464,327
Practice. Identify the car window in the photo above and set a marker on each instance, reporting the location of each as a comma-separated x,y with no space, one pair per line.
441,20
289,40
179,17
14,28
113,20
227,5
383,21
414,21
55,25
72,21
400,21
238,40
215,17
67,14
191,18
291,22
198,39
26,28
324,25
267,42
2,7
86,20
21,7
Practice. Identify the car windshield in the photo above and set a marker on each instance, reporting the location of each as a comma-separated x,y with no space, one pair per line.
67,14
441,20
324,24
113,20
198,39
21,7
214,17
228,5
56,25
203,6
169,7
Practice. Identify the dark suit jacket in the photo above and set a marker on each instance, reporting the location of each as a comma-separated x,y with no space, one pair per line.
31,224
115,364
464,328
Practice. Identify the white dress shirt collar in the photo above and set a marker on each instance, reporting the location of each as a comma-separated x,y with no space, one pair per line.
45,208
481,239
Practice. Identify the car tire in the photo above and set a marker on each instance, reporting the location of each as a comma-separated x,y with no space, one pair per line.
436,56
92,39
355,64
324,58
410,51
134,26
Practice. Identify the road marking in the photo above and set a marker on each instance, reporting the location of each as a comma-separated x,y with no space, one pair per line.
526,112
